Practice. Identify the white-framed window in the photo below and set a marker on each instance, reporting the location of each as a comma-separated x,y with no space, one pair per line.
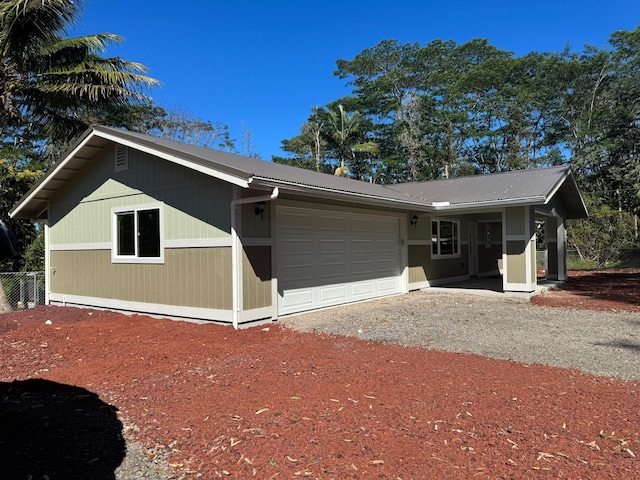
137,234
445,238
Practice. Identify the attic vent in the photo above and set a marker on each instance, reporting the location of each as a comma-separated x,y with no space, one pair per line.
122,158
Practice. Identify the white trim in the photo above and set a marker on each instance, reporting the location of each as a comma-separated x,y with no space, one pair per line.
47,260
80,246
178,311
172,158
256,242
264,313
168,244
440,256
115,258
198,243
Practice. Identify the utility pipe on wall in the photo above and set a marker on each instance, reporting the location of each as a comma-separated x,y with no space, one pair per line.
236,263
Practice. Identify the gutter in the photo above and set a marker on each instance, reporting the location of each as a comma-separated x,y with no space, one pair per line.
236,250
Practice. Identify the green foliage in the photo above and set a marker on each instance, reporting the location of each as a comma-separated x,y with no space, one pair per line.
600,239
34,254
16,178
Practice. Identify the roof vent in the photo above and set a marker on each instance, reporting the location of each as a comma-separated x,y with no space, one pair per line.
121,158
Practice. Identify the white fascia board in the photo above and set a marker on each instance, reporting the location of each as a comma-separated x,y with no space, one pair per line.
212,172
492,204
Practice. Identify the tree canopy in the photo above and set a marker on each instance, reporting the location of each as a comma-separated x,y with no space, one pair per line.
448,109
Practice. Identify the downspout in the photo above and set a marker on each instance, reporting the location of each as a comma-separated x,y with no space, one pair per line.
236,250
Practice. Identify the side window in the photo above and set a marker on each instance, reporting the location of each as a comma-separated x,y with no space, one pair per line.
445,239
137,235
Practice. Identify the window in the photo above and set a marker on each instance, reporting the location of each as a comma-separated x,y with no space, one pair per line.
137,235
445,239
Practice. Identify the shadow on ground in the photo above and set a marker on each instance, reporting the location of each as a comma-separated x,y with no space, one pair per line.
623,344
56,431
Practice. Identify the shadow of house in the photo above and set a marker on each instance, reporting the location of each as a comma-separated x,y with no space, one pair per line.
56,431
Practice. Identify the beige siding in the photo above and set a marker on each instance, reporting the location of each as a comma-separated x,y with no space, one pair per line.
256,277
418,260
195,206
516,262
197,277
515,217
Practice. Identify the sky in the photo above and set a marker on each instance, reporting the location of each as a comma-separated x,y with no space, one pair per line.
261,66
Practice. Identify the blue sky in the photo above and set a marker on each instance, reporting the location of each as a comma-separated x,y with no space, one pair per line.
265,64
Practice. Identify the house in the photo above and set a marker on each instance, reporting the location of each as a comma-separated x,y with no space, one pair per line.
141,224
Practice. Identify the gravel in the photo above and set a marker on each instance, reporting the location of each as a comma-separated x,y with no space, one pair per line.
601,343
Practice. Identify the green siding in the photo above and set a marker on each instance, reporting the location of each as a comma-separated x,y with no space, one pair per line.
256,277
195,277
517,262
195,205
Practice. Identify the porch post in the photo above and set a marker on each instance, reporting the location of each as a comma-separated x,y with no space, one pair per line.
519,249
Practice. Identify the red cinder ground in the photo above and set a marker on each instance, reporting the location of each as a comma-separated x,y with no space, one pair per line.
272,403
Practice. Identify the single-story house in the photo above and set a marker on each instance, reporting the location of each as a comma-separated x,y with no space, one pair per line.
142,224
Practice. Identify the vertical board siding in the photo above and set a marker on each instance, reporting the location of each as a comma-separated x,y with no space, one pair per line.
515,217
256,277
517,262
196,277
195,205
418,258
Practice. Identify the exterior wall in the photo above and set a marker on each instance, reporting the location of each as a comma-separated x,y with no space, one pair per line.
196,206
195,213
425,271
256,277
190,277
520,249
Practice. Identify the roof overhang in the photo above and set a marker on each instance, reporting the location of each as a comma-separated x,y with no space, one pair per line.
34,204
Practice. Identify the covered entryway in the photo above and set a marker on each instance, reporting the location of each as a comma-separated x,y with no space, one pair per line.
327,258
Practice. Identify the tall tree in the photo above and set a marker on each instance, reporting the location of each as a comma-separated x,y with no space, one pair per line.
53,81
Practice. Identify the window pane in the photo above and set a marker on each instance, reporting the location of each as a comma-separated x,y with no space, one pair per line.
446,238
434,238
149,233
125,233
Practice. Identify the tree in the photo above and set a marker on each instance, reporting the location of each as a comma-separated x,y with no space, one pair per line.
54,82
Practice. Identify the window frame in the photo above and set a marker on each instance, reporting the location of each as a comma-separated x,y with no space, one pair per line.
135,258
437,241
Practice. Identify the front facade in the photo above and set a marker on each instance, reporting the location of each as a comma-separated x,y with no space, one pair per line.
145,225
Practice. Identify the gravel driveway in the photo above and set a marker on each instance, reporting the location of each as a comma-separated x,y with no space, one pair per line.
602,343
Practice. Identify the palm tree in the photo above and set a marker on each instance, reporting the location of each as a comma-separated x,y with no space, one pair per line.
345,130
55,82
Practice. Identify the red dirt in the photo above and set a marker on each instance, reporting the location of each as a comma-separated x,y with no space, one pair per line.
603,290
271,403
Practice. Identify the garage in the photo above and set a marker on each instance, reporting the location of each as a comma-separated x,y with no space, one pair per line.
328,258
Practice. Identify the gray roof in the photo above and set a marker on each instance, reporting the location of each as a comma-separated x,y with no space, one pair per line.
513,188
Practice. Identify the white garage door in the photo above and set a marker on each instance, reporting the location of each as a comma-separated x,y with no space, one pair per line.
328,258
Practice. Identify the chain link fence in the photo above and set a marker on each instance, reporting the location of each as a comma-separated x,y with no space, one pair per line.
21,290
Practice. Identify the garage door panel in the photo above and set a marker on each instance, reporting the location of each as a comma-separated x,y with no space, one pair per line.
298,247
331,224
342,258
335,270
362,290
331,294
330,247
